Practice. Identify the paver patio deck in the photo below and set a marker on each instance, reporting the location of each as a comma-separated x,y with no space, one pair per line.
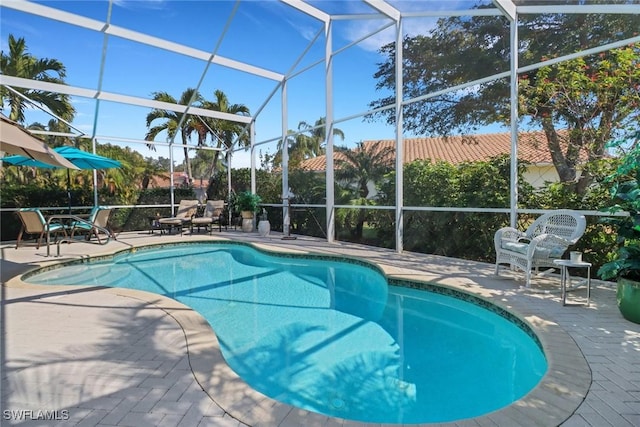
97,356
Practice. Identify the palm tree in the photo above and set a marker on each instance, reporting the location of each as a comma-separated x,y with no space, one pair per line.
317,136
58,126
357,168
172,119
151,168
55,125
19,63
307,143
223,132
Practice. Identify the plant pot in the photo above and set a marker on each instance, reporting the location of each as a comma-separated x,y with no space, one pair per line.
264,228
628,296
246,214
247,225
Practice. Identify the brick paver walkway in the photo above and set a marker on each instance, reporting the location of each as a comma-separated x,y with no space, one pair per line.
103,359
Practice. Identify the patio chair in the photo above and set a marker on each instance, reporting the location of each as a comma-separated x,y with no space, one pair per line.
546,239
95,224
33,223
187,209
213,214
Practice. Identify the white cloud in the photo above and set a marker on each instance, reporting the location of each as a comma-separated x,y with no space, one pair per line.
241,159
359,29
308,32
411,26
137,4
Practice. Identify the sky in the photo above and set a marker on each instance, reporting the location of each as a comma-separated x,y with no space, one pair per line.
267,34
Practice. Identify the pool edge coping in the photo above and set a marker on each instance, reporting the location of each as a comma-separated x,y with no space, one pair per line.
557,396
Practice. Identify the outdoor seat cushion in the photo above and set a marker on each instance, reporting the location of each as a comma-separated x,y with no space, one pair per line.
173,221
515,247
203,220
522,247
215,217
53,227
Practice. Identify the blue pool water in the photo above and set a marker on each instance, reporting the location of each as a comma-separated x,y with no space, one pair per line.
334,337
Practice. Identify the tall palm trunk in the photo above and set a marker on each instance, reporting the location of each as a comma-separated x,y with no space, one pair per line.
187,161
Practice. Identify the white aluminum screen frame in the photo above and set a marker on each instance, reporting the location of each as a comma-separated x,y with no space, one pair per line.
384,9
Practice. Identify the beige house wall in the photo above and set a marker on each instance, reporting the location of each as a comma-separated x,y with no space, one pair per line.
540,174
536,175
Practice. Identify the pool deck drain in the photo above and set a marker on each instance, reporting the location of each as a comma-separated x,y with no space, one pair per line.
102,356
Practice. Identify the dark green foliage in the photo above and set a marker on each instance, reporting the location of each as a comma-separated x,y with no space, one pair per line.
217,189
247,201
469,235
309,188
27,196
130,219
460,234
354,170
466,235
597,242
268,185
625,191
22,196
592,96
123,219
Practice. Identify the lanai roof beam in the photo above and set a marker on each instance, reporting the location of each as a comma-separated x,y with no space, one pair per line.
115,97
608,9
507,7
308,9
385,8
92,24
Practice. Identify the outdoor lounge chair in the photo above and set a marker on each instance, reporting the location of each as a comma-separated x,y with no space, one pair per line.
33,222
186,211
95,224
213,214
546,239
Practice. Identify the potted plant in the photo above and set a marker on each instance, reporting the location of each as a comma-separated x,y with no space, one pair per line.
247,203
625,266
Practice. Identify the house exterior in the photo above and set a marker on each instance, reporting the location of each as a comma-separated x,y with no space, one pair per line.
180,180
532,149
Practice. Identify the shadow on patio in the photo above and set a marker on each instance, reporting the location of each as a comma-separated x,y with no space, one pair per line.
93,357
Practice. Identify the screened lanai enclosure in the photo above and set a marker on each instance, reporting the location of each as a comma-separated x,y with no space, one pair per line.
403,120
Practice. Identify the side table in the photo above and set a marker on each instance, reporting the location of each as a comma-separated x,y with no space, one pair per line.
154,224
564,264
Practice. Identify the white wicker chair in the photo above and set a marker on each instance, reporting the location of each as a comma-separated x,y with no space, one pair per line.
545,240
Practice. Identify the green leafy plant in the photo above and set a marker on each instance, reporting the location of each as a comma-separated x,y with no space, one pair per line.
247,201
625,191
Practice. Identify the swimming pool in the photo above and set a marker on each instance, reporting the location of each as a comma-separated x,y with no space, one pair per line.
334,337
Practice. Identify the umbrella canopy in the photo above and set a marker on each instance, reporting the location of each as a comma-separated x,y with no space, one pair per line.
16,140
79,160
85,160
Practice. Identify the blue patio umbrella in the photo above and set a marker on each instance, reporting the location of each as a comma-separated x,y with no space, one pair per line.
81,159
15,139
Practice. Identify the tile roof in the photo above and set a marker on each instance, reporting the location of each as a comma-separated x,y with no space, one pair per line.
532,147
179,180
